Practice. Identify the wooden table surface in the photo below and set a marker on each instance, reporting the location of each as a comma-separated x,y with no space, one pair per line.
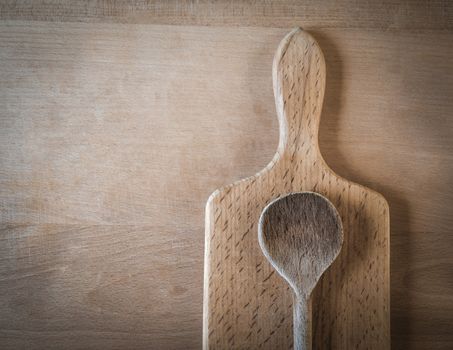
117,120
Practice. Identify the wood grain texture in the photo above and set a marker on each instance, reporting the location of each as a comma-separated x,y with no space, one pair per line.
111,129
385,15
247,305
94,287
104,179
301,235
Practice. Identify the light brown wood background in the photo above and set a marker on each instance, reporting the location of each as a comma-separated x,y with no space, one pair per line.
118,119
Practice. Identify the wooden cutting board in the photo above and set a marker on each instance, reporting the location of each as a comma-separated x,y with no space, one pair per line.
246,304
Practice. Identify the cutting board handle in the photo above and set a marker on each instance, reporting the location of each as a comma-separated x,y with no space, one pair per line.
299,74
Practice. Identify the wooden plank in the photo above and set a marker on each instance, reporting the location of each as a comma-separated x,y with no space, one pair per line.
422,301
108,124
75,93
98,286
392,15
117,124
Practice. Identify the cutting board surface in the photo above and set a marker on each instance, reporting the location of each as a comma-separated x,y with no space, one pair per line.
246,303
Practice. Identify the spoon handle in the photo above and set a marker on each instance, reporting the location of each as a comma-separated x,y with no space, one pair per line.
302,323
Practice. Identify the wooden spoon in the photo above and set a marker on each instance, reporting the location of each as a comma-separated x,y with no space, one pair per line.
301,235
